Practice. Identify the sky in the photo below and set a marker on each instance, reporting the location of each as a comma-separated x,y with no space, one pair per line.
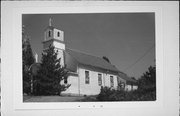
127,39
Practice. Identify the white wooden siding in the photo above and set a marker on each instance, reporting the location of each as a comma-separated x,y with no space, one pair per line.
73,89
93,88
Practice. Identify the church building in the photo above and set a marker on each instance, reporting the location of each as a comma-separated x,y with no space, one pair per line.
87,73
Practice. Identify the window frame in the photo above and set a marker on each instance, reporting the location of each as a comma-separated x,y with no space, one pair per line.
49,33
87,77
58,34
100,79
112,81
66,80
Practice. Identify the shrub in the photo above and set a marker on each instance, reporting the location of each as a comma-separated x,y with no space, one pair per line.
105,94
146,89
109,94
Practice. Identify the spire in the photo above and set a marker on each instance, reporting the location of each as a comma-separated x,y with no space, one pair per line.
36,57
50,22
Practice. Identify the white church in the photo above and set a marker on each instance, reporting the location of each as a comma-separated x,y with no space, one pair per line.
87,73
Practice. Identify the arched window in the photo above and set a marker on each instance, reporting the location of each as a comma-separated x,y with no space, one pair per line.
49,33
58,34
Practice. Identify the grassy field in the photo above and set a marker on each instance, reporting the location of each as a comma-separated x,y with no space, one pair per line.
58,98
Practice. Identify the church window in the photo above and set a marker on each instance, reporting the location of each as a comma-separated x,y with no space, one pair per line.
58,34
86,77
49,33
99,79
111,81
65,81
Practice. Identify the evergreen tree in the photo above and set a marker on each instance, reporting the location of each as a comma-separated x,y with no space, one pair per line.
50,74
147,84
148,80
28,60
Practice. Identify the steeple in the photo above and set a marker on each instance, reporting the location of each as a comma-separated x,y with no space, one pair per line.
53,33
55,37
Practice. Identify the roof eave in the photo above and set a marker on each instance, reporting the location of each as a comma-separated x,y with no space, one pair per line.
105,70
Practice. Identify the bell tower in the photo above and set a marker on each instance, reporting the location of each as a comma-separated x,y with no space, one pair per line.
54,37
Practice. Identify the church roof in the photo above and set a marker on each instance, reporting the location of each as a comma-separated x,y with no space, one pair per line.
72,58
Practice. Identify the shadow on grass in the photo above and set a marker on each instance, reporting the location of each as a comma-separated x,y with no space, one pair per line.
59,98
89,99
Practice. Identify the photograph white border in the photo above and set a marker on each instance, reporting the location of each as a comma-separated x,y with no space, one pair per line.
17,57
15,49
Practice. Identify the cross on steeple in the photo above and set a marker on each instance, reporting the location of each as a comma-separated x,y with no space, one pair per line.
50,22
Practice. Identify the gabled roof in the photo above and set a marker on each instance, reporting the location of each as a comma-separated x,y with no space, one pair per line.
73,58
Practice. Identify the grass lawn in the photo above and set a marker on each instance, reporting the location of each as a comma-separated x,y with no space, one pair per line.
58,98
